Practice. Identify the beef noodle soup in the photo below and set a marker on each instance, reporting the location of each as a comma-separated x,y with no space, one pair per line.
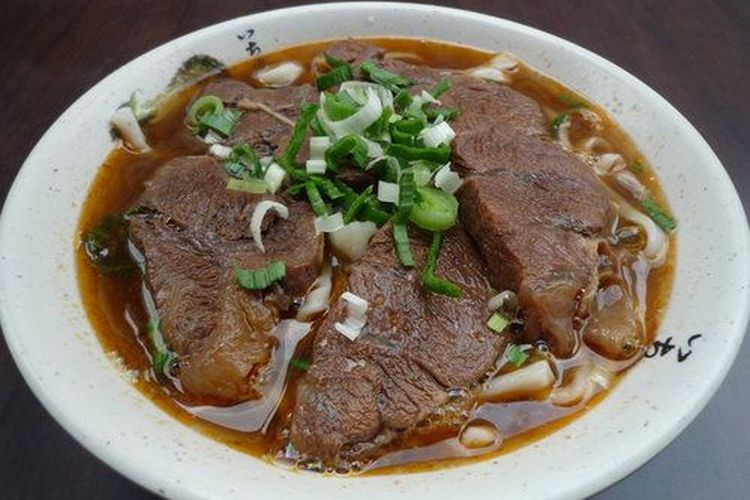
369,256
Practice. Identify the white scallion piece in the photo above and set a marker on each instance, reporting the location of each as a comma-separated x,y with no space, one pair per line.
279,75
356,123
504,61
212,137
315,167
631,183
434,136
220,151
329,223
524,381
352,239
274,177
356,316
318,299
388,192
478,435
318,147
256,221
126,124
491,74
609,163
506,299
358,91
447,180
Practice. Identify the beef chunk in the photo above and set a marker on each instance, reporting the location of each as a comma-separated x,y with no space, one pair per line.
416,345
192,232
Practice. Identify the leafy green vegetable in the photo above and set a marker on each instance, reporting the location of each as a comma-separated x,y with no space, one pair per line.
387,79
658,214
106,245
300,364
432,282
259,279
516,355
161,357
434,210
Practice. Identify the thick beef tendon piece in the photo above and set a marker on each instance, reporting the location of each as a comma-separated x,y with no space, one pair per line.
416,345
192,232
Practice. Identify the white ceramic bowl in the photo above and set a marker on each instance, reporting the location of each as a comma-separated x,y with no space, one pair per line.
61,359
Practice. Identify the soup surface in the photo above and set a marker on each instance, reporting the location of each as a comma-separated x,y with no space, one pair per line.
507,402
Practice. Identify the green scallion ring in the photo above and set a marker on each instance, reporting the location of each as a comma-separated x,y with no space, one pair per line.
206,105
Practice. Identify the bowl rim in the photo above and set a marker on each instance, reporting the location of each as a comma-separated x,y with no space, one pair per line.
148,478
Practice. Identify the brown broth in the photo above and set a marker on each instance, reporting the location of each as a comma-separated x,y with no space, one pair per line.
114,303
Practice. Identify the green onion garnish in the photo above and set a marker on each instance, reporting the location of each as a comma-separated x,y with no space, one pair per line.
249,185
406,194
571,101
371,210
440,88
328,187
348,145
357,204
387,79
516,355
203,106
432,282
401,240
658,214
402,99
243,161
299,133
380,126
334,62
299,364
339,106
637,168
449,114
222,123
161,356
497,323
259,279
316,201
557,122
434,209
440,154
337,75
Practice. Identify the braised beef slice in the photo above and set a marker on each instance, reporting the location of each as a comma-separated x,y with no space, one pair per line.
358,395
535,210
192,232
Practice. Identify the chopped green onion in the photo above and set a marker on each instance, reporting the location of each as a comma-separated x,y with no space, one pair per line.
440,88
316,127
161,357
403,251
337,75
515,354
422,172
432,282
300,364
380,127
434,210
357,204
637,168
243,160
449,114
439,154
497,323
402,100
316,201
371,210
249,185
203,106
658,214
406,194
557,122
350,144
259,279
328,187
299,133
222,123
387,79
339,106
334,62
